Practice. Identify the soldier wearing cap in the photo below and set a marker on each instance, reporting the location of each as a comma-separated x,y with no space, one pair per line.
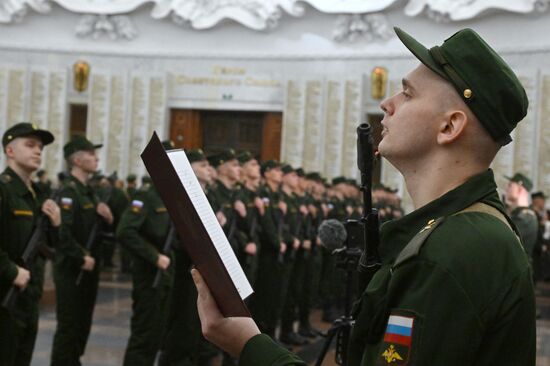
461,292
292,236
272,250
43,183
21,203
131,186
517,202
142,232
250,224
80,210
224,197
183,342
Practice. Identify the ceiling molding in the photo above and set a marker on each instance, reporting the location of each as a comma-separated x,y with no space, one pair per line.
258,14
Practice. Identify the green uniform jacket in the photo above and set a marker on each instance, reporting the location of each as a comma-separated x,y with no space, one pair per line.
465,299
143,229
78,215
18,213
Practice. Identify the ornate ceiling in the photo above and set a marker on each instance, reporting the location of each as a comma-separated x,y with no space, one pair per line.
355,18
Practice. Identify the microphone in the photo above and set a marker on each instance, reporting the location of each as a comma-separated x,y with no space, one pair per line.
332,234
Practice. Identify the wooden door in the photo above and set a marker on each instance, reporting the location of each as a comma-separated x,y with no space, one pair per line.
271,136
186,129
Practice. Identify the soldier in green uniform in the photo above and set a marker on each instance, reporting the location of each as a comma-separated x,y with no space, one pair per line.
272,251
250,223
80,212
43,183
292,273
21,203
455,285
143,231
525,218
183,342
224,198
131,186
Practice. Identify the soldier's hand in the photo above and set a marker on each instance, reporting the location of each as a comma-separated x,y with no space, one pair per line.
349,210
325,209
22,279
303,210
312,210
221,218
282,207
318,241
259,203
89,263
240,208
296,243
306,244
51,209
282,248
230,334
104,211
250,248
163,262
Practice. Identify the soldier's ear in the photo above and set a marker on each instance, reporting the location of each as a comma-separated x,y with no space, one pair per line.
452,126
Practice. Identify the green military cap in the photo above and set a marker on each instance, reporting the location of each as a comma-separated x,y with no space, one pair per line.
352,181
40,173
300,172
389,190
268,165
539,194
168,145
287,169
245,157
222,157
79,143
146,179
378,187
113,177
314,176
521,180
23,129
131,178
195,155
480,76
339,180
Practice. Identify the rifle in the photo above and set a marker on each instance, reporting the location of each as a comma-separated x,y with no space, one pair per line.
370,260
33,246
92,238
165,249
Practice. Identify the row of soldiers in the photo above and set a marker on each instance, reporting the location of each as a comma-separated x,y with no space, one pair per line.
270,213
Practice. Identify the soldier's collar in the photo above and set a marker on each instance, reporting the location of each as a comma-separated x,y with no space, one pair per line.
397,233
19,186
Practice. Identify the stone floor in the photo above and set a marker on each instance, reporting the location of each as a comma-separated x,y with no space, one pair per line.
112,321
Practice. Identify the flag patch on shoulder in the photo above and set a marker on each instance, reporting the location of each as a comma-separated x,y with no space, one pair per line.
137,205
66,203
397,343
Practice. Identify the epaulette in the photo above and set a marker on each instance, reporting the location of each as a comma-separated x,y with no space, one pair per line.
145,187
528,211
413,247
5,178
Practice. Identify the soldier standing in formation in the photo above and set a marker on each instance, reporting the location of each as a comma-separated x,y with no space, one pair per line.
21,203
76,268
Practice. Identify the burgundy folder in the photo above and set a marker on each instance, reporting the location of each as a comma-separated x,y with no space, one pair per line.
191,231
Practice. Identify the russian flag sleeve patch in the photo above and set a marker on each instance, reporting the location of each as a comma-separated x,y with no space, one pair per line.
396,347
